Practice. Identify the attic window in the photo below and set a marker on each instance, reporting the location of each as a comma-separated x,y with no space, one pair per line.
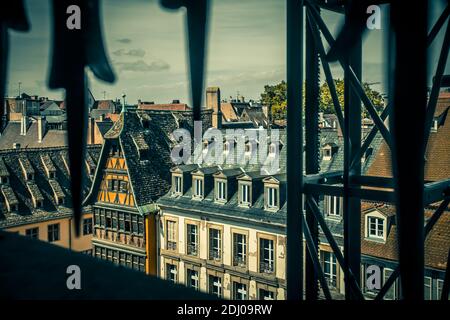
273,149
39,204
60,200
434,126
51,175
376,226
30,176
221,191
333,206
198,188
272,198
177,185
245,194
329,151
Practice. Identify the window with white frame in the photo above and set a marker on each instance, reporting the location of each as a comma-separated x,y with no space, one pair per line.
177,185
192,239
215,244
215,286
266,294
333,206
198,188
239,249
439,288
171,272
330,268
273,149
427,284
327,153
391,294
272,198
221,190
192,279
239,291
375,227
266,255
434,126
171,235
244,190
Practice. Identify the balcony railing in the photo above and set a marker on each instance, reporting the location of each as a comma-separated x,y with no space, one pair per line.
266,267
192,249
215,255
239,261
171,245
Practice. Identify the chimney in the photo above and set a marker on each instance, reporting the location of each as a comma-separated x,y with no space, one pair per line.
213,103
91,131
23,125
24,119
42,126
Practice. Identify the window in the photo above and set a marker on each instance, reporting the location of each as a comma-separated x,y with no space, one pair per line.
121,221
375,227
239,249
439,288
266,295
215,286
221,191
333,206
198,188
266,256
122,258
330,268
53,232
134,223
391,294
141,225
273,149
192,279
215,244
327,153
33,233
434,127
127,222
171,272
192,239
177,185
87,226
239,291
272,197
171,237
427,288
244,194
135,263
114,219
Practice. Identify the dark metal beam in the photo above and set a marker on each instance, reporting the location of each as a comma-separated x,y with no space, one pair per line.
352,144
352,282
312,92
294,255
313,255
409,98
436,87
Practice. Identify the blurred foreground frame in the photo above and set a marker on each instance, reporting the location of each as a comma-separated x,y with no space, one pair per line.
407,189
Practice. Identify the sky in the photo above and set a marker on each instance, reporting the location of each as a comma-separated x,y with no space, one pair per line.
146,45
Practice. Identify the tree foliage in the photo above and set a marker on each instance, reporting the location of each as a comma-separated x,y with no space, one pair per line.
275,97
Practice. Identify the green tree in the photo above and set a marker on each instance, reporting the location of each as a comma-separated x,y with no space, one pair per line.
275,97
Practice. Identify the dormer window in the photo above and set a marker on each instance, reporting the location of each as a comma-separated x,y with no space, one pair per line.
272,198
272,149
60,200
51,175
375,227
244,194
221,191
248,149
177,185
198,188
329,150
333,206
30,176
434,126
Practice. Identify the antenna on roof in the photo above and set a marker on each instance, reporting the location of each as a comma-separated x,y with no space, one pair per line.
19,88
124,106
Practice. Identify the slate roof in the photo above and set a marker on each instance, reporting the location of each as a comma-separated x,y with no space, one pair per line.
11,135
145,139
20,191
437,158
436,245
